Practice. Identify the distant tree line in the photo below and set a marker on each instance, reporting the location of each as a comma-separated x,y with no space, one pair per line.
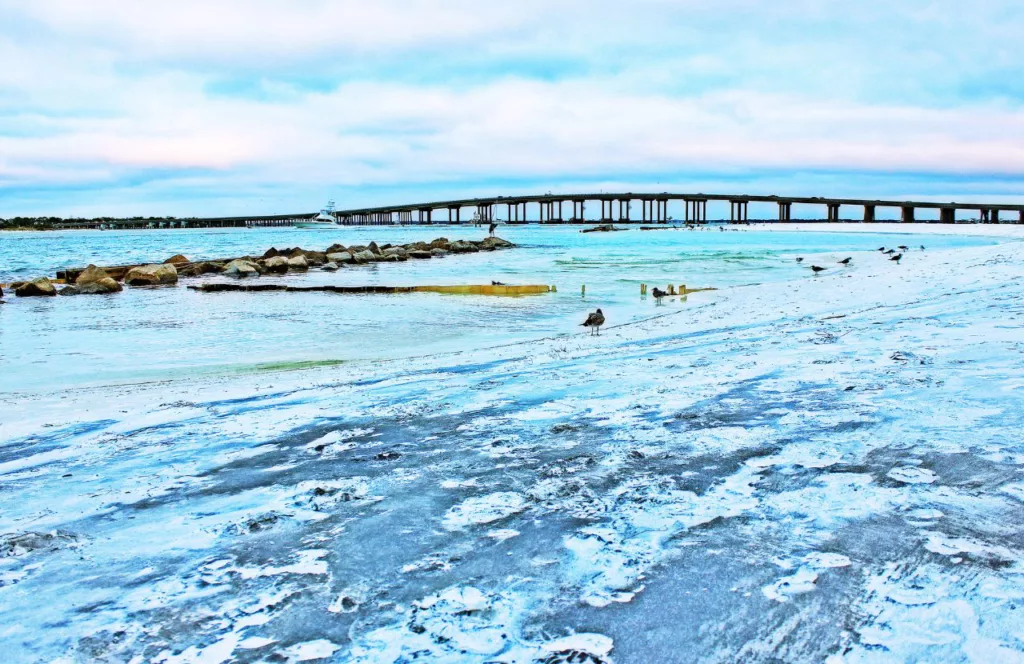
44,223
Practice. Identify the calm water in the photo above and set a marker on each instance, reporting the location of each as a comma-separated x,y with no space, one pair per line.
155,334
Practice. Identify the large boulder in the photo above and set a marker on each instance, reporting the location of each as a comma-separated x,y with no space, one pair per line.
198,269
419,253
270,253
94,281
335,249
276,264
438,252
314,258
329,267
440,243
460,247
177,259
398,252
298,263
340,257
364,256
152,275
241,268
374,248
418,246
41,287
495,243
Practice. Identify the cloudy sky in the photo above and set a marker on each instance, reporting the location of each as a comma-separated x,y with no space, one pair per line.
213,107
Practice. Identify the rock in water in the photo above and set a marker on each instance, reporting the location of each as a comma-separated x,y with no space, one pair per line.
460,247
198,269
419,253
152,275
298,263
374,248
69,290
241,268
177,259
340,257
276,264
94,281
495,243
329,267
437,252
364,256
315,258
440,243
398,252
40,287
270,253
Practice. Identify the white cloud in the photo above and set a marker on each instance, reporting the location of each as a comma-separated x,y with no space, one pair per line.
110,92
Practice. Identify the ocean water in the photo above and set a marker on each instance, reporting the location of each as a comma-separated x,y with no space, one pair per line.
144,335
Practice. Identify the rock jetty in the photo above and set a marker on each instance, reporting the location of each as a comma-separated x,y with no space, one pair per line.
94,280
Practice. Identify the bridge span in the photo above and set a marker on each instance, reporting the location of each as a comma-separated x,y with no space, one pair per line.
654,208
614,208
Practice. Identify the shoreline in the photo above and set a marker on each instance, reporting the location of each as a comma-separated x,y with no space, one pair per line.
769,433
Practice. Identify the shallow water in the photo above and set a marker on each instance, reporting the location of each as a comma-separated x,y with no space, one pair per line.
167,333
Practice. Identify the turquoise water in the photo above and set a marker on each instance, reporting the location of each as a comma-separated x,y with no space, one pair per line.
174,333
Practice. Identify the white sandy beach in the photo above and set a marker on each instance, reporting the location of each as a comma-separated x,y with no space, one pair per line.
825,469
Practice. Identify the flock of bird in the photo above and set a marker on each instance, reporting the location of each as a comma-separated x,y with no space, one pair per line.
891,253
596,319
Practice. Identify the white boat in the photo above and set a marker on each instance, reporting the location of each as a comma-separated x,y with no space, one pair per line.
325,219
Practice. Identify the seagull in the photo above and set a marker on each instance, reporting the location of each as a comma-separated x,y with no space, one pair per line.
904,247
658,294
896,258
817,269
881,248
845,261
922,247
594,321
497,283
799,259
891,252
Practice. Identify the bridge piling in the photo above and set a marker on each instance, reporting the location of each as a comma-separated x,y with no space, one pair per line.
869,214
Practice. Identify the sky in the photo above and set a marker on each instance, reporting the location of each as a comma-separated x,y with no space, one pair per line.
223,107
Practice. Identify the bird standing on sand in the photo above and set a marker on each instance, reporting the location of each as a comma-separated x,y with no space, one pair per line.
903,247
799,259
881,248
845,261
658,294
817,269
896,258
594,322
890,252
922,247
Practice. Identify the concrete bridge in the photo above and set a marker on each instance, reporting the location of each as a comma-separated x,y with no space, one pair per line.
619,208
653,208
